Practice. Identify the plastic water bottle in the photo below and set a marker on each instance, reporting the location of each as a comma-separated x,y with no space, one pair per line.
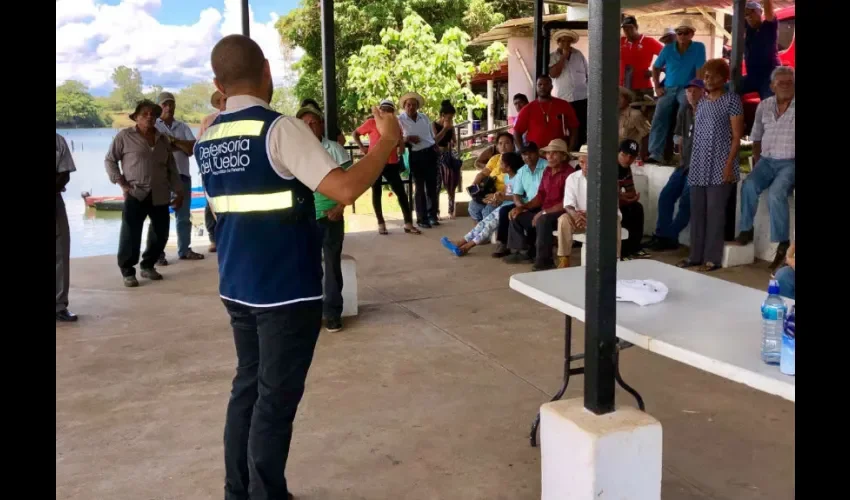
789,341
773,311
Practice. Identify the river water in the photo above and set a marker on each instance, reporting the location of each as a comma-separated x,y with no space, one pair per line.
95,232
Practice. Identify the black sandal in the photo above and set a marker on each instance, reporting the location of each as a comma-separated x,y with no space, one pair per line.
686,263
709,267
412,230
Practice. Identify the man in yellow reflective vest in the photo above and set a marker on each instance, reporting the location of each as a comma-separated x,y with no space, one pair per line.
260,170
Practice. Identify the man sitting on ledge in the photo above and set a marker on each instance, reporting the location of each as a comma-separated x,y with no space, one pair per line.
532,225
574,221
774,150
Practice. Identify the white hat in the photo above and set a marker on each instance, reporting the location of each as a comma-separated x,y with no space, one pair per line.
411,95
641,292
565,33
686,23
668,32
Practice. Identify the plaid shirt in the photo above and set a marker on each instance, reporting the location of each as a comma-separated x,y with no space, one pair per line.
777,135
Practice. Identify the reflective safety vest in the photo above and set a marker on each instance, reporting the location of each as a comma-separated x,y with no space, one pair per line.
269,246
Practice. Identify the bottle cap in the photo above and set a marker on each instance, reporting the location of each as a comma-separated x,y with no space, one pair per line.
773,288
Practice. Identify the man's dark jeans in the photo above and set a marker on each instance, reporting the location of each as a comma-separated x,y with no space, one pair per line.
333,234
537,239
209,222
130,239
274,350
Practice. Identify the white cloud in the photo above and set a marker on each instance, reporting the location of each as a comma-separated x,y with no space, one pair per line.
93,38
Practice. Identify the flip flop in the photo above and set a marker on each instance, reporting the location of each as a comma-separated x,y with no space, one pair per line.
446,242
412,230
383,231
685,263
709,267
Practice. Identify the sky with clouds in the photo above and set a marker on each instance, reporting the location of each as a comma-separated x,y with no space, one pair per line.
169,41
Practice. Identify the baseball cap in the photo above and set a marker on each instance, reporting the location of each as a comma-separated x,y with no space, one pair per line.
165,96
696,82
629,21
630,147
753,6
668,32
531,147
387,102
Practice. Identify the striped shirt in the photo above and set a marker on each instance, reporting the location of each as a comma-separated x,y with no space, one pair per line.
776,134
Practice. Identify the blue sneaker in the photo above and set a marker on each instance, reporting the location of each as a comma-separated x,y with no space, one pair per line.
451,246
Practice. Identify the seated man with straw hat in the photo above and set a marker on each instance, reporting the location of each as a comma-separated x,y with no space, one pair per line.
633,123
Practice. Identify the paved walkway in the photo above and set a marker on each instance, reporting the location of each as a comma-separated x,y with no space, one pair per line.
427,395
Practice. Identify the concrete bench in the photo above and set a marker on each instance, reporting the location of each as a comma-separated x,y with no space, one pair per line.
349,285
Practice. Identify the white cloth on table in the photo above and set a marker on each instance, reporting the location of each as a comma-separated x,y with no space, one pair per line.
641,292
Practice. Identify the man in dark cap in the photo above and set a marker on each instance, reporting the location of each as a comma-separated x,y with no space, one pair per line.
630,207
147,176
260,170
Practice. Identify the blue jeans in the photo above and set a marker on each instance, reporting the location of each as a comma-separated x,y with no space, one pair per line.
184,219
777,176
663,119
785,277
479,210
676,189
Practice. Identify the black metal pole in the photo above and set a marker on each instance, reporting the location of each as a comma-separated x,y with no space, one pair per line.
538,43
329,69
738,33
602,200
246,21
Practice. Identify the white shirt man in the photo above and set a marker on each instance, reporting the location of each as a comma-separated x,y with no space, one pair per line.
421,127
574,221
181,131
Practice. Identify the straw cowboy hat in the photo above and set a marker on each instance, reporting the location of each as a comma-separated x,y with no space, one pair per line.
146,103
628,93
686,24
565,33
557,145
411,95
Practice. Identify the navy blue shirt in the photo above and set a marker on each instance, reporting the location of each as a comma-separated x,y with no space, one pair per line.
761,52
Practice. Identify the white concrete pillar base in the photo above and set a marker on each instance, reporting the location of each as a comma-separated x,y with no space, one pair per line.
594,457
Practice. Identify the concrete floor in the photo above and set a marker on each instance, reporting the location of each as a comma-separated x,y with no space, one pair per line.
427,394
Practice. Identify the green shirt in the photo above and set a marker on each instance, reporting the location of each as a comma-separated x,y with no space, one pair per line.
338,153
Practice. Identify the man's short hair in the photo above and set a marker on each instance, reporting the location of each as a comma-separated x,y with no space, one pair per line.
521,97
782,70
545,76
236,59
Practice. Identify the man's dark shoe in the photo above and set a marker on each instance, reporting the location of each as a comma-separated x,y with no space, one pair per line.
745,237
658,244
162,261
424,225
66,316
333,325
543,266
131,281
654,160
779,259
151,274
517,258
190,255
501,251
434,222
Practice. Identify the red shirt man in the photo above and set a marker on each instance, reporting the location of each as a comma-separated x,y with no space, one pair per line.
636,51
546,118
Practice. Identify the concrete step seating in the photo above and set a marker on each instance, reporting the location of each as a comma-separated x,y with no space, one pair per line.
349,285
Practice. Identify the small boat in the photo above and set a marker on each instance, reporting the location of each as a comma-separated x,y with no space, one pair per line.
116,203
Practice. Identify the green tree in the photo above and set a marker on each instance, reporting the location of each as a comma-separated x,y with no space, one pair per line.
411,59
193,102
75,107
360,22
284,101
153,92
128,86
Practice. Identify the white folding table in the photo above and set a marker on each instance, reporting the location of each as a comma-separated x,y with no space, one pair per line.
704,322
